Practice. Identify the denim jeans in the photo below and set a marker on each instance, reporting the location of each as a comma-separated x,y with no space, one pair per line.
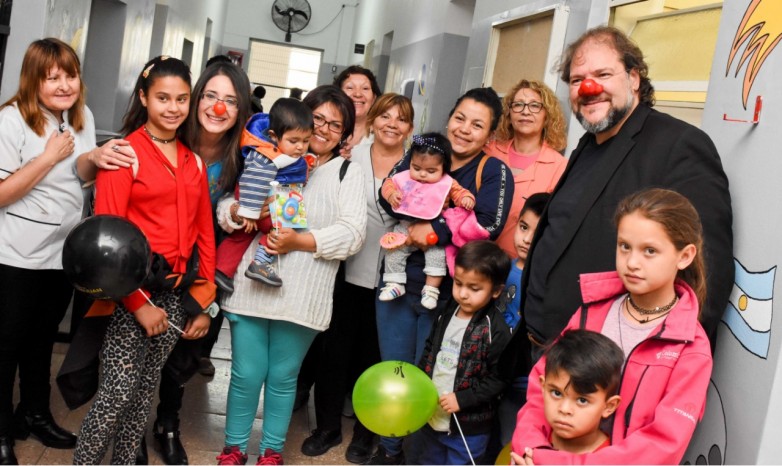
428,446
403,326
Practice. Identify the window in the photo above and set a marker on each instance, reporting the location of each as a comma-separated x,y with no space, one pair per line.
279,68
678,38
526,46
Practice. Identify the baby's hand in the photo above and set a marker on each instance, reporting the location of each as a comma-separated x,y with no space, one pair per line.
249,225
395,200
449,404
468,203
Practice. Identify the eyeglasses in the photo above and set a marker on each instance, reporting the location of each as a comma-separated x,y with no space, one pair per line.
334,126
211,99
518,106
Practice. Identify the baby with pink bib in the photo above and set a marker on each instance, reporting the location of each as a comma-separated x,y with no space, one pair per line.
422,193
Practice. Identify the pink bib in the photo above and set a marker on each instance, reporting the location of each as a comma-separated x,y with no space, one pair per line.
421,200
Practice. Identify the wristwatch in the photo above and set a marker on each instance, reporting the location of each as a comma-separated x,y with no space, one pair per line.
212,309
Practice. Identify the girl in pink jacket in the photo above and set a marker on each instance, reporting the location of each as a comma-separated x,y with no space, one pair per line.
649,307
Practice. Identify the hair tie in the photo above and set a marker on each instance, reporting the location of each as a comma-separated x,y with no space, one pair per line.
419,140
145,73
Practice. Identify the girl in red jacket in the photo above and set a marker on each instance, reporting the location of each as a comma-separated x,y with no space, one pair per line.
165,193
649,307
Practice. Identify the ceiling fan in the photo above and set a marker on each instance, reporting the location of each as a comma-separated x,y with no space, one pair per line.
291,16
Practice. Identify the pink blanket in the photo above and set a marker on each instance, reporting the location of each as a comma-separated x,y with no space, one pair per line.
464,228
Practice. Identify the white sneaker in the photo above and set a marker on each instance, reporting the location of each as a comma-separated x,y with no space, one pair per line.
391,291
429,295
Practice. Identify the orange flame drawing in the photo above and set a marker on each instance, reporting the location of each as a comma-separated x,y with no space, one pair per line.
761,29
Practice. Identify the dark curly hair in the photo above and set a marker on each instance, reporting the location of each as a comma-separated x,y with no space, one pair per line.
629,53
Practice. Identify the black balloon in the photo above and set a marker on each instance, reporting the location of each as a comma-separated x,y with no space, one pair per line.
106,256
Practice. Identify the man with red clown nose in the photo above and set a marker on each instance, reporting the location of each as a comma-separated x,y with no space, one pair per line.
628,146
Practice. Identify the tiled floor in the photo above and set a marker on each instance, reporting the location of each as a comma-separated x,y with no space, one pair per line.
202,421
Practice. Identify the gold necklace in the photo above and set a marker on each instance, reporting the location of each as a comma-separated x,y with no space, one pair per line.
157,139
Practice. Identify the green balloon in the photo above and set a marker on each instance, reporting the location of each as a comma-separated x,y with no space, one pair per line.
394,398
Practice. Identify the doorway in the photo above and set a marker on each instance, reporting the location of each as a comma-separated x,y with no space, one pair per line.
280,68
102,56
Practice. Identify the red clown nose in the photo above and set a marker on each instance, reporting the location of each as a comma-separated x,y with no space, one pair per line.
589,88
219,108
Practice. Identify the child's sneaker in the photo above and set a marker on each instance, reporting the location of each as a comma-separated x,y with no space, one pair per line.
232,455
391,291
224,282
263,272
270,457
429,295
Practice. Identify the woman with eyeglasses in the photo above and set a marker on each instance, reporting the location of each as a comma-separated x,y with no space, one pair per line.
272,328
350,346
528,138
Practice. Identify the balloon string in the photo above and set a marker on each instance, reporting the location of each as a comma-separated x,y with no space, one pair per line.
279,256
463,439
169,322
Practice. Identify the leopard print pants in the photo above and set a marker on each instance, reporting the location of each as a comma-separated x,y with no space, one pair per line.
130,368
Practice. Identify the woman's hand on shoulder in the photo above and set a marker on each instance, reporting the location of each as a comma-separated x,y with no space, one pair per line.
113,155
153,319
346,150
197,327
59,146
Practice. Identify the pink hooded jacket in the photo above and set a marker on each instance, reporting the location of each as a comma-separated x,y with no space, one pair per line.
663,385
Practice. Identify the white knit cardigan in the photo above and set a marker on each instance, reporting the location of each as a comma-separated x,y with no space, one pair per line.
337,218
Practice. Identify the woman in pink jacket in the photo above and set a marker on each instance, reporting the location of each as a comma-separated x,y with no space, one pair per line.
649,307
528,138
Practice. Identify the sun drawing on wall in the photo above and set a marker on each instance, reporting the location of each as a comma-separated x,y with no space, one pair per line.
761,30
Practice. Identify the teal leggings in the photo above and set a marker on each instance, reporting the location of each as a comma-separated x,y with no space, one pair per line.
266,352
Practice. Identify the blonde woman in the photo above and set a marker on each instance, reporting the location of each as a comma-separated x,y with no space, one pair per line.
529,137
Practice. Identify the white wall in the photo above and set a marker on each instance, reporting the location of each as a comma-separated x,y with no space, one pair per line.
187,20
411,21
69,21
248,19
429,46
23,31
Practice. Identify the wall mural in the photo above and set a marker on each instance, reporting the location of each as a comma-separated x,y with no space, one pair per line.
67,20
735,428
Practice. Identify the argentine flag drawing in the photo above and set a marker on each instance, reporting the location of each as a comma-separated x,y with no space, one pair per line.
748,315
